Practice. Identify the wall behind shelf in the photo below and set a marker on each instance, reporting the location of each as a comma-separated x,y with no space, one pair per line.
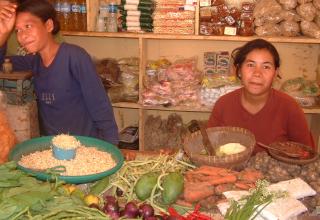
99,47
296,59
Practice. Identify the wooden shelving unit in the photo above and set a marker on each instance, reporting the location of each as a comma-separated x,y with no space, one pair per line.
300,56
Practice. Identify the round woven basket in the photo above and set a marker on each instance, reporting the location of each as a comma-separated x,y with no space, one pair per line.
219,136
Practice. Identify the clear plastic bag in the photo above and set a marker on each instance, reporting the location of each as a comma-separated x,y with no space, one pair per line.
307,11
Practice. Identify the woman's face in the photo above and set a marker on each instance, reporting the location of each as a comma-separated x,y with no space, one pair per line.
32,32
258,72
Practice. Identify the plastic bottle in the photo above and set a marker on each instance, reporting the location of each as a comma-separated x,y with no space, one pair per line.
65,10
57,7
103,16
83,14
75,15
113,18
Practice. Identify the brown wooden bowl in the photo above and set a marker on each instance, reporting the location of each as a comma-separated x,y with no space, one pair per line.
219,136
290,144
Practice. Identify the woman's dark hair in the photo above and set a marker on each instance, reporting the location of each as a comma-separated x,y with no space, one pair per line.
42,9
239,54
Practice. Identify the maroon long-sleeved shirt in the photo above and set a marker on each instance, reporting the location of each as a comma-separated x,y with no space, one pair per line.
281,119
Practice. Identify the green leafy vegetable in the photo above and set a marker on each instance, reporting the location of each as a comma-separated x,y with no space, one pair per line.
249,207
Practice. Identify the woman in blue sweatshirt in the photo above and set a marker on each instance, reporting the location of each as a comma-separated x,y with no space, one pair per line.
71,98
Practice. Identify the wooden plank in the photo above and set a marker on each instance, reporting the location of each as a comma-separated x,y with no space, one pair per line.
16,75
304,40
142,67
126,105
92,14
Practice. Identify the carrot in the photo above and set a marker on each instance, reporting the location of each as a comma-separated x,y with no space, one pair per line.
221,180
208,170
250,175
194,192
244,185
204,178
223,188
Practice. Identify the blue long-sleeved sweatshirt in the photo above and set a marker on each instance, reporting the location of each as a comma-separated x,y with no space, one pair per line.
71,98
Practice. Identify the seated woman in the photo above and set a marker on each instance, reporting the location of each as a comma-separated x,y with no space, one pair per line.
269,114
71,98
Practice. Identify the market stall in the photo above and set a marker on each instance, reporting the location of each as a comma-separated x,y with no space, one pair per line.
161,185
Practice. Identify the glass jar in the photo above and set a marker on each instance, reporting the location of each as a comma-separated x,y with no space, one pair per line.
7,66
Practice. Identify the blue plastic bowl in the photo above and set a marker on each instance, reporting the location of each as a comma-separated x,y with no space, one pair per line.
63,154
44,143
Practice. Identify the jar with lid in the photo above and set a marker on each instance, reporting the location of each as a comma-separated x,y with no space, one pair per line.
7,66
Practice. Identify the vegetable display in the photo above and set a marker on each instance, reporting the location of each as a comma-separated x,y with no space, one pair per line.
157,180
24,197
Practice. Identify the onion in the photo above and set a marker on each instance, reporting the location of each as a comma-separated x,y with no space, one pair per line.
109,198
131,210
114,215
146,210
111,207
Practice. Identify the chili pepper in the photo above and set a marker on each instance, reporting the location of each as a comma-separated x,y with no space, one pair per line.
174,213
196,215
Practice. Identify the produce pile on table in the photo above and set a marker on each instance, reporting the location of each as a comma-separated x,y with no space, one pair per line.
275,171
24,197
158,187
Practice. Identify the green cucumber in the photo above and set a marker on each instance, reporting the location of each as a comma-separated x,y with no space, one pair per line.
100,186
145,184
172,187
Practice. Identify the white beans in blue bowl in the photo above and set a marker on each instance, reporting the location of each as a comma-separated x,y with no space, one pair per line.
64,147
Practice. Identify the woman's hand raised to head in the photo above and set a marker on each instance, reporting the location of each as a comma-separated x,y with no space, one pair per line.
7,20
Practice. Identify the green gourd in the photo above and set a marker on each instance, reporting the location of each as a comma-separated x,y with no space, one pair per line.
172,187
145,184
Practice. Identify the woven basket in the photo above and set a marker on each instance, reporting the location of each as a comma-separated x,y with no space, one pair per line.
219,136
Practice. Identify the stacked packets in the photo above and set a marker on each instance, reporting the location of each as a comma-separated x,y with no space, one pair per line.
174,17
136,15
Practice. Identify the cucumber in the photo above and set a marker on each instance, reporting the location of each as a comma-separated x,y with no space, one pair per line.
99,186
172,187
145,184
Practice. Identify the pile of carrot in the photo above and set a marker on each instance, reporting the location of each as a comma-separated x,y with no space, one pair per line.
206,181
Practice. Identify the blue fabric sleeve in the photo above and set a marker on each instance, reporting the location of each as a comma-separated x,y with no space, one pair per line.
95,97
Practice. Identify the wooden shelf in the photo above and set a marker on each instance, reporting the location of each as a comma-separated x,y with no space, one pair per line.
311,110
126,105
185,108
303,40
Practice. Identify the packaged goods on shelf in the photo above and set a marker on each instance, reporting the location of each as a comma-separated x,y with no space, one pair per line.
164,133
175,84
174,18
173,30
286,18
120,78
136,16
216,63
173,14
221,19
209,96
174,22
305,92
109,71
